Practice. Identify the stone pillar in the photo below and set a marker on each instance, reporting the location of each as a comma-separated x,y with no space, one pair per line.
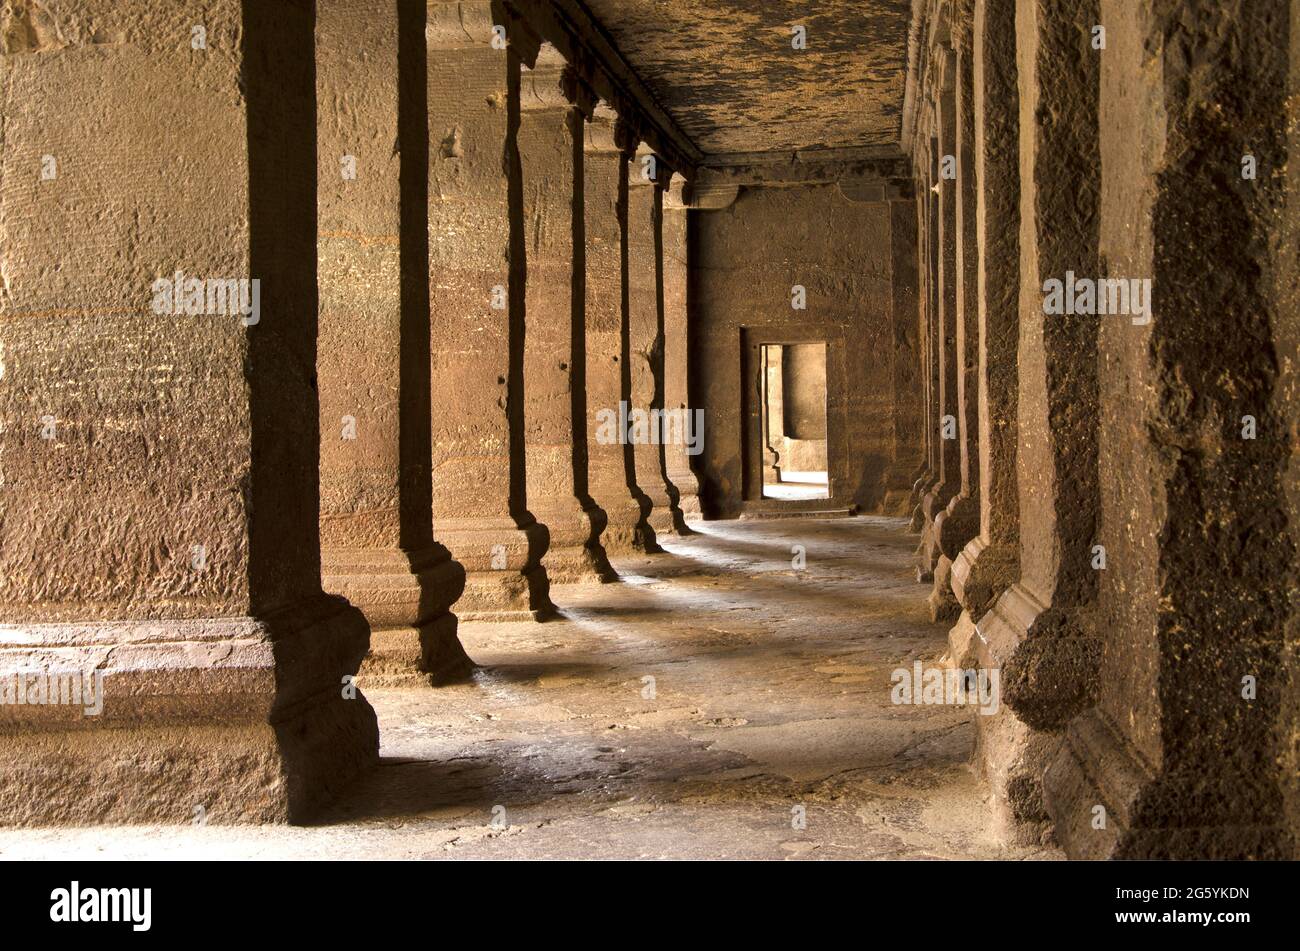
607,476
376,525
160,467
644,331
960,521
1286,339
1182,749
932,316
926,170
945,423
683,487
989,563
555,345
1039,631
477,253
907,402
773,410
641,345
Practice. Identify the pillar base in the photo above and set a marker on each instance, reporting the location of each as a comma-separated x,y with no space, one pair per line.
657,509
1152,815
392,587
916,523
941,604
1093,768
684,502
963,644
981,573
953,528
406,597
651,523
622,530
504,576
244,717
661,520
915,498
933,504
956,525
430,655
1010,755
962,566
575,554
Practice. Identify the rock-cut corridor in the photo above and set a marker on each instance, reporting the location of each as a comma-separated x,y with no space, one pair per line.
770,692
622,428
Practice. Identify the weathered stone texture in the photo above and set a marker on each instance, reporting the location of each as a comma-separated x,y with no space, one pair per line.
990,562
729,76
547,151
477,271
167,531
1039,630
907,398
603,168
372,365
1193,599
644,338
683,486
481,235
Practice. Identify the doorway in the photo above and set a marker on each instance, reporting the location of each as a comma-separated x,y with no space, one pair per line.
792,383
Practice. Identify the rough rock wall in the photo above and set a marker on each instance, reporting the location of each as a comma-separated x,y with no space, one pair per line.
1287,398
749,256
1148,644
998,230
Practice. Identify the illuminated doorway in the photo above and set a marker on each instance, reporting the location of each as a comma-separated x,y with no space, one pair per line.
792,380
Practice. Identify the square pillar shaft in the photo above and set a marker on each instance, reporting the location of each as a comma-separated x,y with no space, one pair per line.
555,342
160,417
478,270
373,356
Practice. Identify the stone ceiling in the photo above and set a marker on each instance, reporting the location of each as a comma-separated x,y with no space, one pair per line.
725,70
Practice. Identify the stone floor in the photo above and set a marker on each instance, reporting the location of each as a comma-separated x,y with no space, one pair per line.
695,710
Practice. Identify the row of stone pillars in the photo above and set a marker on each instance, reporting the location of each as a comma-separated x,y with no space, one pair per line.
1108,505
531,190
457,263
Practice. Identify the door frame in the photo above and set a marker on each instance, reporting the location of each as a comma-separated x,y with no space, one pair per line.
752,340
